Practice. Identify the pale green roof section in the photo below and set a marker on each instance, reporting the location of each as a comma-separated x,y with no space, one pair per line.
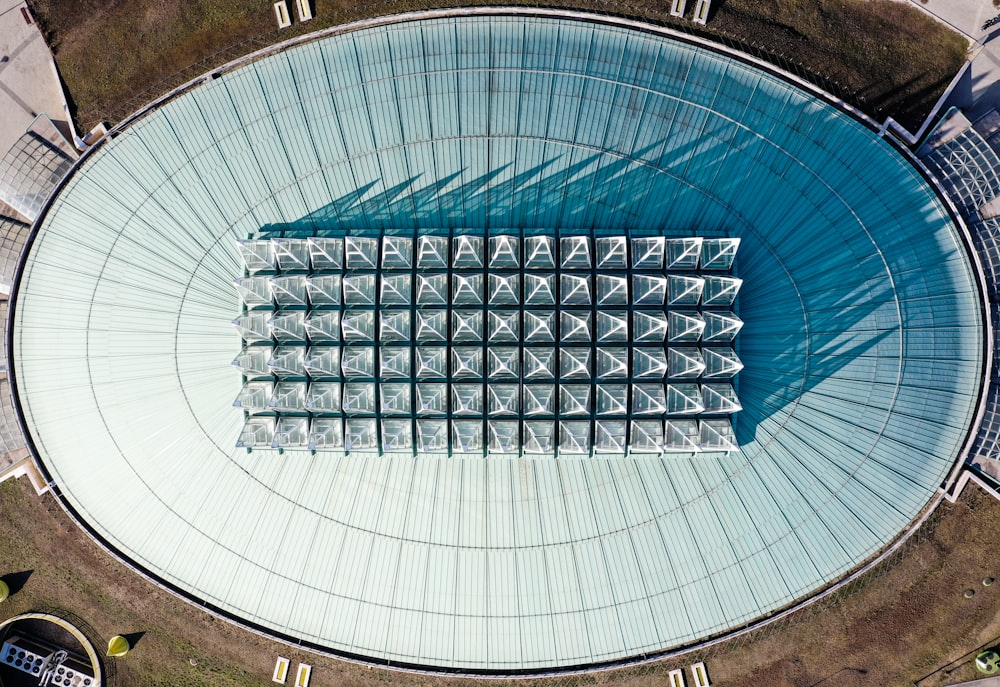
862,345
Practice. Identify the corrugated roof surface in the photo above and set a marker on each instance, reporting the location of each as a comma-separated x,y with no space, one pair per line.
862,343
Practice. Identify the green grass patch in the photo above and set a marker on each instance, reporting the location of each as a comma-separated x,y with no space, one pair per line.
116,55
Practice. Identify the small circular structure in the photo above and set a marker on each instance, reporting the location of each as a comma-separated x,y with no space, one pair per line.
988,662
40,644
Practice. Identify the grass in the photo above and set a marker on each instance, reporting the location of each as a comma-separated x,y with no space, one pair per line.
116,55
906,622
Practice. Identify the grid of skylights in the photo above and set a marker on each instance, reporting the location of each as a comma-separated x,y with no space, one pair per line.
506,344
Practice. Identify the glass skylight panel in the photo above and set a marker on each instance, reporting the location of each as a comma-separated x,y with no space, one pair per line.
612,363
471,344
648,363
574,438
395,289
323,326
431,362
505,252
612,326
539,326
505,289
540,252
258,256
505,325
574,289
254,397
394,325
538,436
257,432
289,396
574,253
326,434
432,289
539,289
360,252
611,252
467,436
574,325
324,289
467,289
611,290
503,362
504,400
291,254
432,399
719,254
539,363
681,435
254,291
360,434
717,435
323,362
467,362
397,435
685,363
720,292
574,399
288,327
685,326
358,361
397,253
647,253
467,325
394,362
504,436
721,327
394,398
359,398
648,290
649,326
683,290
253,326
431,325
721,363
538,400
291,432
326,253
467,252
323,397
432,252
683,254
358,325
432,436
359,290
288,361
609,436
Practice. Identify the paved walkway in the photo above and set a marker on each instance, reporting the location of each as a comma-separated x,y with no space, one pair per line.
28,82
979,90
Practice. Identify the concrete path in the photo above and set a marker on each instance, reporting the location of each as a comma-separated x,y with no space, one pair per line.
28,82
979,90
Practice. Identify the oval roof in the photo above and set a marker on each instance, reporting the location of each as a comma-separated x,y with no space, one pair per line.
863,343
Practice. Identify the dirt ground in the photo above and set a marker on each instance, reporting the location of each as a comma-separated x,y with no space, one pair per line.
908,622
117,55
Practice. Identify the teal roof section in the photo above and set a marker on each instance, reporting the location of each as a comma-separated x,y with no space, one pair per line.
862,344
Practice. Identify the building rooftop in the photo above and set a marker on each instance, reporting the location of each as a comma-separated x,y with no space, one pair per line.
862,345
